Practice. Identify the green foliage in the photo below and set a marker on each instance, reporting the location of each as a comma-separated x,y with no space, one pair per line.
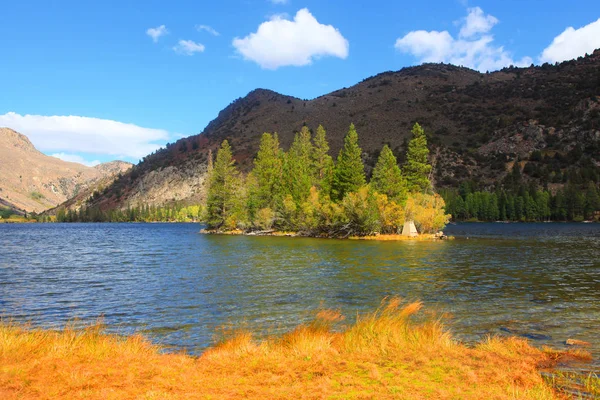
268,172
349,173
265,218
387,177
362,212
225,200
5,212
298,167
416,168
300,191
37,196
322,162
522,203
139,213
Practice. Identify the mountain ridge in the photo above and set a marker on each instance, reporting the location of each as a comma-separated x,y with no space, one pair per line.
31,181
478,126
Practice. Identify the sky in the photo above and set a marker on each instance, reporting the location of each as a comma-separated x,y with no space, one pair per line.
93,81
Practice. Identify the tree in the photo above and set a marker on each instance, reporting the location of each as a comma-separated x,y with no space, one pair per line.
225,200
349,173
322,162
362,211
298,166
416,169
427,211
268,170
387,177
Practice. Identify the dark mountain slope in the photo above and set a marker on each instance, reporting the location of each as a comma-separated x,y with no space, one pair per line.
477,124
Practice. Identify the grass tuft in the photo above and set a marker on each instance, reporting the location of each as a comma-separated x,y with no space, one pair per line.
392,352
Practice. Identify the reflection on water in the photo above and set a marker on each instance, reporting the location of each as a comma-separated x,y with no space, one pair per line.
176,286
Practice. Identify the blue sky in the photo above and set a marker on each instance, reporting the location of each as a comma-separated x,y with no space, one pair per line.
94,81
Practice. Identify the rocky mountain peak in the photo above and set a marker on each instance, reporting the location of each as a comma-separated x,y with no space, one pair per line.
11,138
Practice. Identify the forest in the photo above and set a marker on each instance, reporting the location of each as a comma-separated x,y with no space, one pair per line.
305,191
517,199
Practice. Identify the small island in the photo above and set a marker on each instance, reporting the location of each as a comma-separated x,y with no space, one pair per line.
303,192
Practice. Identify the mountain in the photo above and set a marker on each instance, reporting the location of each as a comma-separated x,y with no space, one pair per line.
32,181
478,125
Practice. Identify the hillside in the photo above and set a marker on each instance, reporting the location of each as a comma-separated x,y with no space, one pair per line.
32,181
478,125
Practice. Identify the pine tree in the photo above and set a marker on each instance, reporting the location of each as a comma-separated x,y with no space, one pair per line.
387,177
268,170
298,166
224,200
349,172
416,169
322,162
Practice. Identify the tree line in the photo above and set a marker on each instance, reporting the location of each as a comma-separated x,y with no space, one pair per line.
139,213
304,190
517,200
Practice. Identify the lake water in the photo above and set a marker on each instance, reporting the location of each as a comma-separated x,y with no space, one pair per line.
178,287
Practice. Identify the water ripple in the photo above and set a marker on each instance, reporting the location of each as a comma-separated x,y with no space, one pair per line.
540,281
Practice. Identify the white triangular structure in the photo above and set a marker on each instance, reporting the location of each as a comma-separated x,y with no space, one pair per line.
409,229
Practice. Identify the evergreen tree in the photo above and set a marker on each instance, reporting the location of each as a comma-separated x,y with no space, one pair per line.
268,170
416,169
322,162
349,172
387,177
298,166
224,200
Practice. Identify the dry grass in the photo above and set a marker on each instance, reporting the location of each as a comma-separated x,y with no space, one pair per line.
420,237
390,353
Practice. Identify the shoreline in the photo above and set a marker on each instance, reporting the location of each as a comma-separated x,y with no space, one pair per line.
384,237
385,354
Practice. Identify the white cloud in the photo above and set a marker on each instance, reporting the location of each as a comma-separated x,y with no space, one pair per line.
74,134
76,159
280,42
476,22
573,43
473,48
188,47
208,29
157,32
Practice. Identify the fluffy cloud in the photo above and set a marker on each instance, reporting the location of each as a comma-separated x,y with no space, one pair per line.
280,42
477,22
573,43
188,47
73,134
208,29
473,48
76,159
157,32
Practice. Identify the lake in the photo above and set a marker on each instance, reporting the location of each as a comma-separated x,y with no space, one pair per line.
178,287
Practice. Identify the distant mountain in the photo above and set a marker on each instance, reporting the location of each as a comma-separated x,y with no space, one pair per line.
32,181
478,125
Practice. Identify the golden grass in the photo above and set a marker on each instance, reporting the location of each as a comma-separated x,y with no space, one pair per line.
391,353
420,237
